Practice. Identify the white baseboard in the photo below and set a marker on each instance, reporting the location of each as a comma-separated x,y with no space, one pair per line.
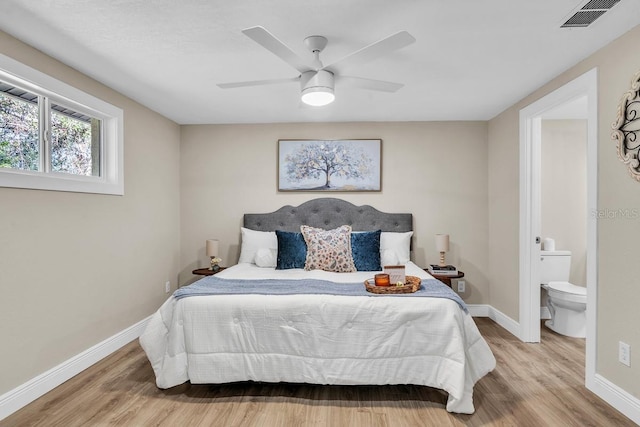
26,393
624,402
505,321
485,310
478,310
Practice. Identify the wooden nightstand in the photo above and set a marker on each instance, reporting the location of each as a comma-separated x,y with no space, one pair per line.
206,271
446,279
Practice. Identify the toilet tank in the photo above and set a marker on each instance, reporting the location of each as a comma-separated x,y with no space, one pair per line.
555,266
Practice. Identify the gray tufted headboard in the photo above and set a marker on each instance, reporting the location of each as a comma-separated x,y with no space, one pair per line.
329,213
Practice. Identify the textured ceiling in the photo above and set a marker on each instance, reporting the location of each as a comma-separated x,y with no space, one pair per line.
472,59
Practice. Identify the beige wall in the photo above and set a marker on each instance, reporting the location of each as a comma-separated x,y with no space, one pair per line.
503,213
437,171
77,268
564,191
618,296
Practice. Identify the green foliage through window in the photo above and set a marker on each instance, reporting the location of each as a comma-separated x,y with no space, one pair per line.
19,130
73,143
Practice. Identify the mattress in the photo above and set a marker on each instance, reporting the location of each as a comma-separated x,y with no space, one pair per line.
318,339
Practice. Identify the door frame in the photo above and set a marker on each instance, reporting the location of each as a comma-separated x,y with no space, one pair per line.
530,174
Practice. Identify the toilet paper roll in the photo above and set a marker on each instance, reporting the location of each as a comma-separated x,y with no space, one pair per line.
548,244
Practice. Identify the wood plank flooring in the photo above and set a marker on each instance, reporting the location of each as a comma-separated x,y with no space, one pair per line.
533,385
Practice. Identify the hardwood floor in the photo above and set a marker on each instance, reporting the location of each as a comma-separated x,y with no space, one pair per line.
532,385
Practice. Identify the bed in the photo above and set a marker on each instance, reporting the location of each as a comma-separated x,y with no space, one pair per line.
318,327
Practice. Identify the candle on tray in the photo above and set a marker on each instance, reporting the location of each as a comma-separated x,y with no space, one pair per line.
382,279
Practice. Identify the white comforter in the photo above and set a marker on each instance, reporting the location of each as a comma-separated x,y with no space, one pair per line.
319,339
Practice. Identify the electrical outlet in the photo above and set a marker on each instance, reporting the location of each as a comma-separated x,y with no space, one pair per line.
624,353
167,287
461,286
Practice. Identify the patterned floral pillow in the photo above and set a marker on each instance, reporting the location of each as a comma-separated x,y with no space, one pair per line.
328,250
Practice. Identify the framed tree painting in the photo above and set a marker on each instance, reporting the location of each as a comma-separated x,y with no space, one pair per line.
329,165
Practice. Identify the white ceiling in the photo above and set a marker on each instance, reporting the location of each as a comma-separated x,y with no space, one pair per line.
472,59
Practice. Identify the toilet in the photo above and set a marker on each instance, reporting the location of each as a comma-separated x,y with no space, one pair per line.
567,302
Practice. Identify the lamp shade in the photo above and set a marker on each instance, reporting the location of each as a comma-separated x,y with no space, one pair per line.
212,248
442,242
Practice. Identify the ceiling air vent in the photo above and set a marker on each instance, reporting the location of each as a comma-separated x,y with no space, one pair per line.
588,13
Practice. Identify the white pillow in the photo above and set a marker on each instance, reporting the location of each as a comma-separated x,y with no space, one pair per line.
397,243
253,240
266,258
388,257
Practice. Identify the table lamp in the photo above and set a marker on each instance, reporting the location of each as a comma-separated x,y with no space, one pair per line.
212,252
442,245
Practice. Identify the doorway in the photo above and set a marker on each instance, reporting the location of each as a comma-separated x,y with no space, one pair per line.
582,88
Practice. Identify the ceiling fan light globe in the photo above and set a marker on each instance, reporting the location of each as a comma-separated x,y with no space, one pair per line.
318,96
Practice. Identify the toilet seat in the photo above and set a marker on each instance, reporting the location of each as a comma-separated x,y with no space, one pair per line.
567,287
567,291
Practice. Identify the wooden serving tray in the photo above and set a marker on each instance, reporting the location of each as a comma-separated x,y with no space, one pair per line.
411,285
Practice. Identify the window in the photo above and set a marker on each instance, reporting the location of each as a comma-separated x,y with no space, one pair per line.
74,142
19,129
55,137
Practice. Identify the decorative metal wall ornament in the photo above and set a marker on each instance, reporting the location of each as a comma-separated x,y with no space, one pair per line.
626,128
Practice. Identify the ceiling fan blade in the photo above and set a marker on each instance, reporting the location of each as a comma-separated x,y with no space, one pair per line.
362,83
257,83
267,40
373,51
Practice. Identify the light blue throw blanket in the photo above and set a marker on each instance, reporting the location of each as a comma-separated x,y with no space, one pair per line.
212,285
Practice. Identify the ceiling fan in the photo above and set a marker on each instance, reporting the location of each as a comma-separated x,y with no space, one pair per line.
316,79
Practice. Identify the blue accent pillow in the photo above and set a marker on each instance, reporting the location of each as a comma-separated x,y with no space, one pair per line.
365,249
292,250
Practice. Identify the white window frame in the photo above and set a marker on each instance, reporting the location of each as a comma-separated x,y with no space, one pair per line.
111,179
